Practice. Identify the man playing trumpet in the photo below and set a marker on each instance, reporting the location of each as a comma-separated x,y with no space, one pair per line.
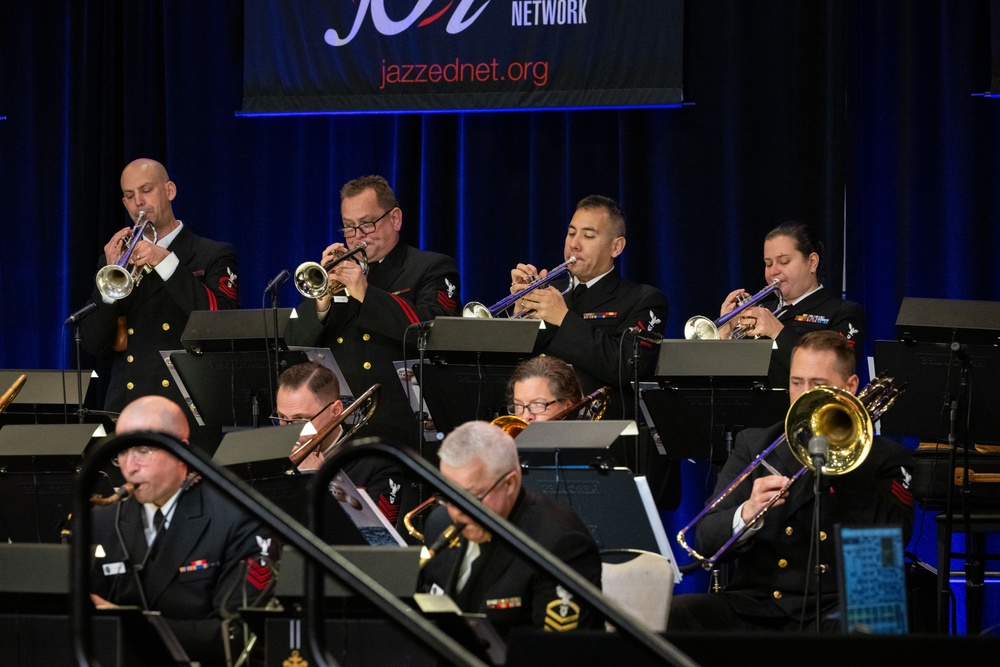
588,325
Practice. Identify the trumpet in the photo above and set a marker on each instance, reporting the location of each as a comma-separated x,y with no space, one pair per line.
597,400
312,279
117,280
843,419
366,403
700,327
477,309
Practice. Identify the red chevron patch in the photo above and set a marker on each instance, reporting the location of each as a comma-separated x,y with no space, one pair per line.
390,510
258,575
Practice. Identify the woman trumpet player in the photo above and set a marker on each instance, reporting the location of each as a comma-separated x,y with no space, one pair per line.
793,255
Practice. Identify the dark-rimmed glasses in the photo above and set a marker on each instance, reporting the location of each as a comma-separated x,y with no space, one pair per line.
280,420
365,227
535,408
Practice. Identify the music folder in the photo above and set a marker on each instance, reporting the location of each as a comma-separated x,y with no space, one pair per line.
720,363
575,434
473,334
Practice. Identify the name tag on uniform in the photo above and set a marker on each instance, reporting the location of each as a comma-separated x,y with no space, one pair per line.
340,298
113,568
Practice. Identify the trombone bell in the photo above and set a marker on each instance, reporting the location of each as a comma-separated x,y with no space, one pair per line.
838,416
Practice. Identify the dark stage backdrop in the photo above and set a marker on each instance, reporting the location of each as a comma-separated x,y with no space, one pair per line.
852,114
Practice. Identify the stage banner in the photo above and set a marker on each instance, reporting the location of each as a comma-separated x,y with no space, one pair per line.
349,56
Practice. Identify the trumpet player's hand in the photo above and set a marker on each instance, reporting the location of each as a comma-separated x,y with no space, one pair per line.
728,306
764,321
763,491
523,275
148,253
114,247
547,303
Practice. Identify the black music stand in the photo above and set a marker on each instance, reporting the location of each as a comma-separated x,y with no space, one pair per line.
967,332
710,390
40,400
466,378
39,463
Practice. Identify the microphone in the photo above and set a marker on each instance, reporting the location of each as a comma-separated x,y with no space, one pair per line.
818,448
642,334
80,314
276,282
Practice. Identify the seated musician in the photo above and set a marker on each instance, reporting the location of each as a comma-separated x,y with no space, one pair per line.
311,392
793,256
541,388
176,546
484,576
768,589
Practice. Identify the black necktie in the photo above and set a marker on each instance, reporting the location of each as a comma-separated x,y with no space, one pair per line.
157,520
577,293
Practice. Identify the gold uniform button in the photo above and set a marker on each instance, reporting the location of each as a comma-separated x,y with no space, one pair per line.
131,331
366,337
130,386
166,383
129,359
822,536
777,595
788,530
782,563
166,326
368,365
340,340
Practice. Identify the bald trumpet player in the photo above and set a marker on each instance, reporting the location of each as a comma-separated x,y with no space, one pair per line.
588,325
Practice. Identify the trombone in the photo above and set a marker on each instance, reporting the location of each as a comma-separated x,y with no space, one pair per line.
116,280
700,327
9,395
366,403
843,419
477,309
312,279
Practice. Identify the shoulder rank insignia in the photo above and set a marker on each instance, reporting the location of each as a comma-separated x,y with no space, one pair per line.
562,614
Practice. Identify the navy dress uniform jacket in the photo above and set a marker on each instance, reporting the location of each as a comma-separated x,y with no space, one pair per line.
191,567
156,313
820,311
593,336
408,286
771,570
514,593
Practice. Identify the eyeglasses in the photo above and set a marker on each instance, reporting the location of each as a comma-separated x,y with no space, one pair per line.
280,420
141,455
481,497
535,408
366,227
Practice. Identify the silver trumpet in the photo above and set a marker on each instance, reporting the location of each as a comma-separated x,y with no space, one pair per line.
118,279
312,279
477,309
700,327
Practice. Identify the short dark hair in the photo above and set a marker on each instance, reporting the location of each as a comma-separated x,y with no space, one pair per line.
383,193
563,382
616,215
319,379
820,341
806,240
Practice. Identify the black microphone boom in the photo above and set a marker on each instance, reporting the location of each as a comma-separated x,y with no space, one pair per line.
82,313
276,282
648,336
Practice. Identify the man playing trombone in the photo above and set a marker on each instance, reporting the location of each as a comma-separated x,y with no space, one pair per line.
366,324
768,589
310,392
588,324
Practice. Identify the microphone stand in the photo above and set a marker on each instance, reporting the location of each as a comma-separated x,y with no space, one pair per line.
819,448
640,469
277,350
79,373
